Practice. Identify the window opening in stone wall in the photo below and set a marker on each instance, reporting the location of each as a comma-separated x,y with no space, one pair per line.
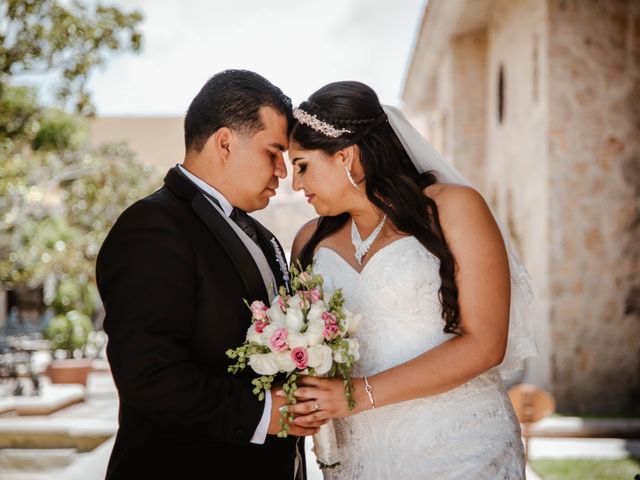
501,98
536,76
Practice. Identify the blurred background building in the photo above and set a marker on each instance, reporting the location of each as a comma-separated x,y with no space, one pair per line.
538,104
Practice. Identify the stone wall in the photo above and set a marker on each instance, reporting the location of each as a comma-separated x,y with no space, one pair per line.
594,215
470,106
517,151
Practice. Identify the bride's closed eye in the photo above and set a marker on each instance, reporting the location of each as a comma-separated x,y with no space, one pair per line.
302,167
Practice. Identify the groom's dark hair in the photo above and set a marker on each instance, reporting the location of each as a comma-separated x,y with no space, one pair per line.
232,99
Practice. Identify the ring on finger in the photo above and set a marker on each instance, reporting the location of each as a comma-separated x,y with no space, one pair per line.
316,406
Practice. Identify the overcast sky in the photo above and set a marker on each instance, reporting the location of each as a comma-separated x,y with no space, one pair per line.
299,45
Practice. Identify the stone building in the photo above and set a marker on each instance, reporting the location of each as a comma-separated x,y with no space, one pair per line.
538,103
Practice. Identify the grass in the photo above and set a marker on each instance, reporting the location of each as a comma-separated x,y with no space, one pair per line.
587,469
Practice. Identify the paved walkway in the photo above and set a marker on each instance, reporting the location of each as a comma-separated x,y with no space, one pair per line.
95,419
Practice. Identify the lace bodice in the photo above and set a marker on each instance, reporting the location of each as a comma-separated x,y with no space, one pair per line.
468,432
396,294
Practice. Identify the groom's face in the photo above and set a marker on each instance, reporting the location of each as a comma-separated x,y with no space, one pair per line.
256,162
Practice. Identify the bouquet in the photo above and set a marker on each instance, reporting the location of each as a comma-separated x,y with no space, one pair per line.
303,333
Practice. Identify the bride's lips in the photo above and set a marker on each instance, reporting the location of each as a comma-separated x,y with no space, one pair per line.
310,197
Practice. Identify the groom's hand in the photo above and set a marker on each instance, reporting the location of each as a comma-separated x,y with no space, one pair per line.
277,403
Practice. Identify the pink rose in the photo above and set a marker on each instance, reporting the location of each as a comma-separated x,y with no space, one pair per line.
313,295
278,340
259,310
330,331
329,318
300,357
260,325
282,304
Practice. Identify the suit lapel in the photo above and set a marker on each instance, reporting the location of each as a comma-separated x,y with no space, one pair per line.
220,229
272,251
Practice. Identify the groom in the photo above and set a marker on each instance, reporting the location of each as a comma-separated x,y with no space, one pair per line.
173,274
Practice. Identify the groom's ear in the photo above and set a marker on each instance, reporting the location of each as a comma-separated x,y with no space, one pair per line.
222,140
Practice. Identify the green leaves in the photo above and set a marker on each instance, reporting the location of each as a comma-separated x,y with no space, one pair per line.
242,354
262,384
56,209
289,388
58,198
69,332
64,40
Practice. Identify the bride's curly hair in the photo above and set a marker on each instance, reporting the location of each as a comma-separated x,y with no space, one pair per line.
393,184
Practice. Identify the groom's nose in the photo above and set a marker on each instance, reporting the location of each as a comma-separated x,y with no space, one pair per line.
280,169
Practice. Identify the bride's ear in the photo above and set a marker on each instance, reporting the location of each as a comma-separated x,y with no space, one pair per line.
349,156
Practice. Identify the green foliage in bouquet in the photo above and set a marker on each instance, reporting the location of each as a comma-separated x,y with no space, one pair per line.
307,293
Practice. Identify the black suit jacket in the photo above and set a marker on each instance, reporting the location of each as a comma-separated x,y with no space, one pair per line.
172,275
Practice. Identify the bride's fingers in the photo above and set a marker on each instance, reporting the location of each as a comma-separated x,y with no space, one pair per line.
303,408
308,381
305,393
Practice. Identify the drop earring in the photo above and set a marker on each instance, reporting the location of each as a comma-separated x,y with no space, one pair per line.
351,178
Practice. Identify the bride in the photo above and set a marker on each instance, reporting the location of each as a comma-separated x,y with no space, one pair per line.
420,255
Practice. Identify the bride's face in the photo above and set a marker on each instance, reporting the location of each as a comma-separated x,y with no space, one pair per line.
323,179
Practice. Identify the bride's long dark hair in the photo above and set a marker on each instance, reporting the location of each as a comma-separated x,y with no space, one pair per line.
393,184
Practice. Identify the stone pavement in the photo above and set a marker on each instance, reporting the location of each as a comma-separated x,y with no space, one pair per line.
63,444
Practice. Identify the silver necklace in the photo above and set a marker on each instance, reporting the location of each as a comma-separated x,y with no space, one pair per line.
363,246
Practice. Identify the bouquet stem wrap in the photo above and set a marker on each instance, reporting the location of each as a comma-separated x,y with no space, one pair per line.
325,446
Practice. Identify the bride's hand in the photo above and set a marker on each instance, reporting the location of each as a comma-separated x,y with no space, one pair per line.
321,399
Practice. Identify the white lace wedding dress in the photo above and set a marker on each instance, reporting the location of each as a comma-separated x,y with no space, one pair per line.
470,432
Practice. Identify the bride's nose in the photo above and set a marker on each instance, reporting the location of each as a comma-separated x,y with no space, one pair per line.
296,182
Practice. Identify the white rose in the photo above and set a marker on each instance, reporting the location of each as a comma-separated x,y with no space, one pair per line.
352,321
284,361
314,334
268,331
295,318
294,301
254,336
353,349
264,363
316,311
275,313
320,359
296,340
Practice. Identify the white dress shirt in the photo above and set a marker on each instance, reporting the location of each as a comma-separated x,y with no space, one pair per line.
260,435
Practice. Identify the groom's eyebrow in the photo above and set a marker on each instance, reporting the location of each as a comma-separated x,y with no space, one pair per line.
278,146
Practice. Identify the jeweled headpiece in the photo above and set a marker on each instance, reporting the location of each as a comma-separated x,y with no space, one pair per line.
318,125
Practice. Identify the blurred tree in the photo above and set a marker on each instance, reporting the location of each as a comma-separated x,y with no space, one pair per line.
58,196
56,207
64,39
